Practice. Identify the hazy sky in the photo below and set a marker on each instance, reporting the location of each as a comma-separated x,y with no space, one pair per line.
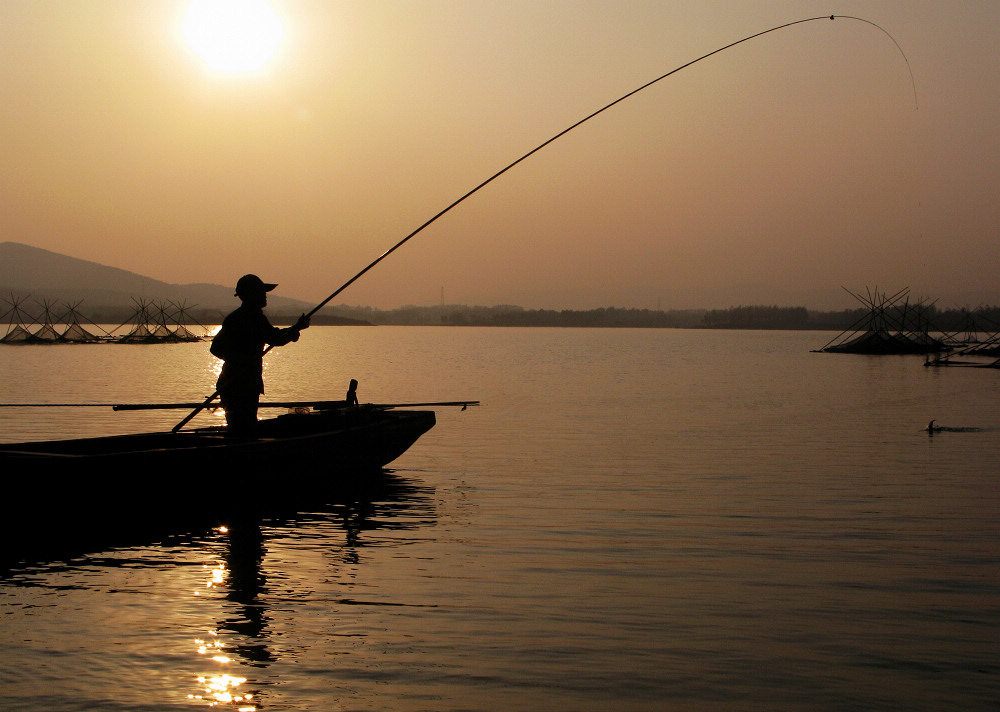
792,163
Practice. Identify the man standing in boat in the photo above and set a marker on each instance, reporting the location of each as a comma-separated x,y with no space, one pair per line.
240,344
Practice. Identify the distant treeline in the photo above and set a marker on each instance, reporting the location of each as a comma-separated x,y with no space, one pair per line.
508,315
758,317
741,317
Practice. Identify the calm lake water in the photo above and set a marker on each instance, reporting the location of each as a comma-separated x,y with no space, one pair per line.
632,520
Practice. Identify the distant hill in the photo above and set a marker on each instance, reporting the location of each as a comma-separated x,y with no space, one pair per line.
45,275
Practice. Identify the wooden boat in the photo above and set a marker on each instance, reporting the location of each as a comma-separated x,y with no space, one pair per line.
331,441
102,485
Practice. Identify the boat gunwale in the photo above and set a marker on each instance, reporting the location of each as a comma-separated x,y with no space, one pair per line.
206,442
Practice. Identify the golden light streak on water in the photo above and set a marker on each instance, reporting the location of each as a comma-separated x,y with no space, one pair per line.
205,648
220,688
216,689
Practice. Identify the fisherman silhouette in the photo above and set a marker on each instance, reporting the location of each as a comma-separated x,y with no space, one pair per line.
240,344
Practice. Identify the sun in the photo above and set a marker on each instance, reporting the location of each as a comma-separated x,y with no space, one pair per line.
233,36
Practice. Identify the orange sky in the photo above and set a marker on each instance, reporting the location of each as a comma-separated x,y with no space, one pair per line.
783,168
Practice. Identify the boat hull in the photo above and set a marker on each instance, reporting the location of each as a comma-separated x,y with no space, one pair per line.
136,481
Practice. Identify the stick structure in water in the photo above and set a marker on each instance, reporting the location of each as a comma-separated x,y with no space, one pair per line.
559,135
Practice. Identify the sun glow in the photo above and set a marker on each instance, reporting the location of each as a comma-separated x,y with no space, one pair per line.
233,36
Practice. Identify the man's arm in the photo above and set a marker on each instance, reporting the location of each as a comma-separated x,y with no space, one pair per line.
220,347
280,337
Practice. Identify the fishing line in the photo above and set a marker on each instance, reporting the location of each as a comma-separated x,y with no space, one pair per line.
559,135
886,32
601,111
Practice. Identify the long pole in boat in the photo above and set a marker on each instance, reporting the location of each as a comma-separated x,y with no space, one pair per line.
542,145
319,404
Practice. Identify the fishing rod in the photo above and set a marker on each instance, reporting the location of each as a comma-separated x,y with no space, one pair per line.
557,136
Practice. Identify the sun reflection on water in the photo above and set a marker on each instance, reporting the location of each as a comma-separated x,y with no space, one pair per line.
218,688
218,577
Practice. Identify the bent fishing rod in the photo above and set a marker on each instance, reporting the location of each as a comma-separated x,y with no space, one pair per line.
556,137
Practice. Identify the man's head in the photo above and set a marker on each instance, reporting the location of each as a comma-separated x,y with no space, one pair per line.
253,290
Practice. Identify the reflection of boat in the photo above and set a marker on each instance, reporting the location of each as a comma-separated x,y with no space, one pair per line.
128,481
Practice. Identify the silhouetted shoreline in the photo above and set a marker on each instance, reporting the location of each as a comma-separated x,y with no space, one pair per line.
740,317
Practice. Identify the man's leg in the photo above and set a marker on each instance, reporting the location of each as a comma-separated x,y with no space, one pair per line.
241,413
